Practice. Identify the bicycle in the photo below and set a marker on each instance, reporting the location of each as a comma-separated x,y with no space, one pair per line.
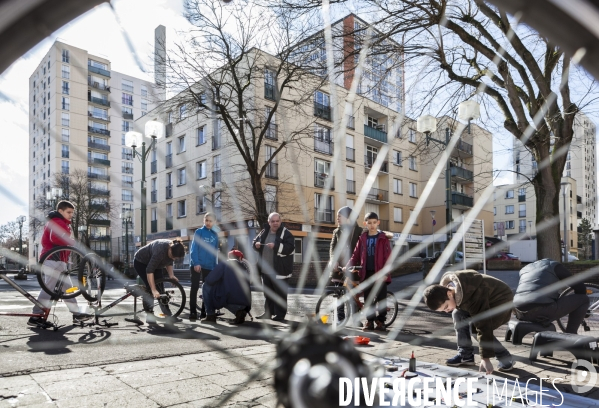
329,304
56,270
591,319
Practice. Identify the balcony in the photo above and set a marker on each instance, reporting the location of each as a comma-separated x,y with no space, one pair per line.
169,129
153,166
378,195
271,132
351,122
98,176
154,196
99,207
98,85
375,134
169,192
98,116
462,174
100,222
322,111
127,170
127,184
98,146
98,131
384,225
521,198
369,161
127,115
216,143
99,71
269,91
271,206
168,159
351,186
102,162
320,180
215,177
169,223
350,154
323,146
99,192
98,101
326,216
461,200
154,226
464,147
272,171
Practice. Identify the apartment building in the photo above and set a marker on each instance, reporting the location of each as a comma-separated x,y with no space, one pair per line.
515,206
80,110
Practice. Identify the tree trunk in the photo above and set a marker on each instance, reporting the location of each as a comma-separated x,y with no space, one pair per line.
547,189
258,193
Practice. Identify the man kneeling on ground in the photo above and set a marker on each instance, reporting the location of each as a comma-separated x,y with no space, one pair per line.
466,294
228,286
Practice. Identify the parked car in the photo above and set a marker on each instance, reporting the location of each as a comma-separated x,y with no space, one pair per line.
457,257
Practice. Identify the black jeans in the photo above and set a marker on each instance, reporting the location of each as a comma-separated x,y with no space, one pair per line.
196,278
575,306
279,287
380,300
148,299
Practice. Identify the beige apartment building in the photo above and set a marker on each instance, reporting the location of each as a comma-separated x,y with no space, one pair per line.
79,112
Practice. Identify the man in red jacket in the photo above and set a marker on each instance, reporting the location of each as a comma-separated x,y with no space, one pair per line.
371,253
57,232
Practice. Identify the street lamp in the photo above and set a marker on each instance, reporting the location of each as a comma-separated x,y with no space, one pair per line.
154,130
564,188
530,229
468,110
53,195
433,212
21,219
126,217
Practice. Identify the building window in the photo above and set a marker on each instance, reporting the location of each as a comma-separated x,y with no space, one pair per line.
494,210
397,215
66,71
297,256
181,178
65,118
182,112
181,208
269,84
416,220
127,168
509,194
144,105
65,56
127,85
169,210
144,91
200,135
413,190
200,204
66,103
65,151
169,117
201,169
397,158
127,153
65,167
127,195
522,226
509,225
65,135
522,210
411,136
412,161
128,181
127,99
127,126
181,144
509,209
65,87
397,186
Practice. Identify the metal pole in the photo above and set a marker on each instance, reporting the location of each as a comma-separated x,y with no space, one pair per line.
143,194
565,227
126,242
448,213
484,249
433,237
21,237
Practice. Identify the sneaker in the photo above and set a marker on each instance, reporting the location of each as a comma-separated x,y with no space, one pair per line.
505,363
368,326
81,317
193,316
239,317
380,326
460,361
210,319
36,322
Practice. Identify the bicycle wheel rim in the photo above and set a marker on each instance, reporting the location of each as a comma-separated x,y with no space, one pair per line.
176,297
591,320
392,309
57,272
330,310
91,278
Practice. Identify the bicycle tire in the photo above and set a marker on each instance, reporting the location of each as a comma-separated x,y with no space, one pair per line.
176,298
591,320
91,277
71,267
391,310
325,307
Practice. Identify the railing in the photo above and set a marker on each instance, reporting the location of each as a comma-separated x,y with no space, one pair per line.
464,147
98,85
127,115
375,134
272,171
323,146
98,116
522,229
216,143
154,196
99,71
65,170
269,91
65,154
127,156
94,160
169,223
99,207
99,237
379,195
168,160
169,192
98,101
66,106
320,180
369,161
322,111
351,186
98,191
350,154
351,122
98,131
65,90
127,170
215,177
153,166
521,213
127,184
271,206
521,198
271,131
324,215
99,146
462,199
154,226
384,225
99,222
462,173
98,176
169,129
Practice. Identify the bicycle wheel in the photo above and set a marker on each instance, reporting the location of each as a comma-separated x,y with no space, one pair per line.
329,308
57,272
392,309
590,324
174,303
91,277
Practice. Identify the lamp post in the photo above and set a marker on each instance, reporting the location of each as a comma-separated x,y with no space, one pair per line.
433,212
21,219
564,188
154,130
467,111
530,229
126,217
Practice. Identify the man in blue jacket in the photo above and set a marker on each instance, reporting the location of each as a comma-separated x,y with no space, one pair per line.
228,286
203,254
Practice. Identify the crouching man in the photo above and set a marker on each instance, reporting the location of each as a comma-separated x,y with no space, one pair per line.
228,286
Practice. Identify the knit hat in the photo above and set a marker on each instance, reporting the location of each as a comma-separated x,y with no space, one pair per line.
345,211
236,254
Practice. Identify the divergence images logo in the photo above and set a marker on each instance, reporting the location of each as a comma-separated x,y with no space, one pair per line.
583,376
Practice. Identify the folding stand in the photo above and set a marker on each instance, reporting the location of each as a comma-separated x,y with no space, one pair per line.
135,319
